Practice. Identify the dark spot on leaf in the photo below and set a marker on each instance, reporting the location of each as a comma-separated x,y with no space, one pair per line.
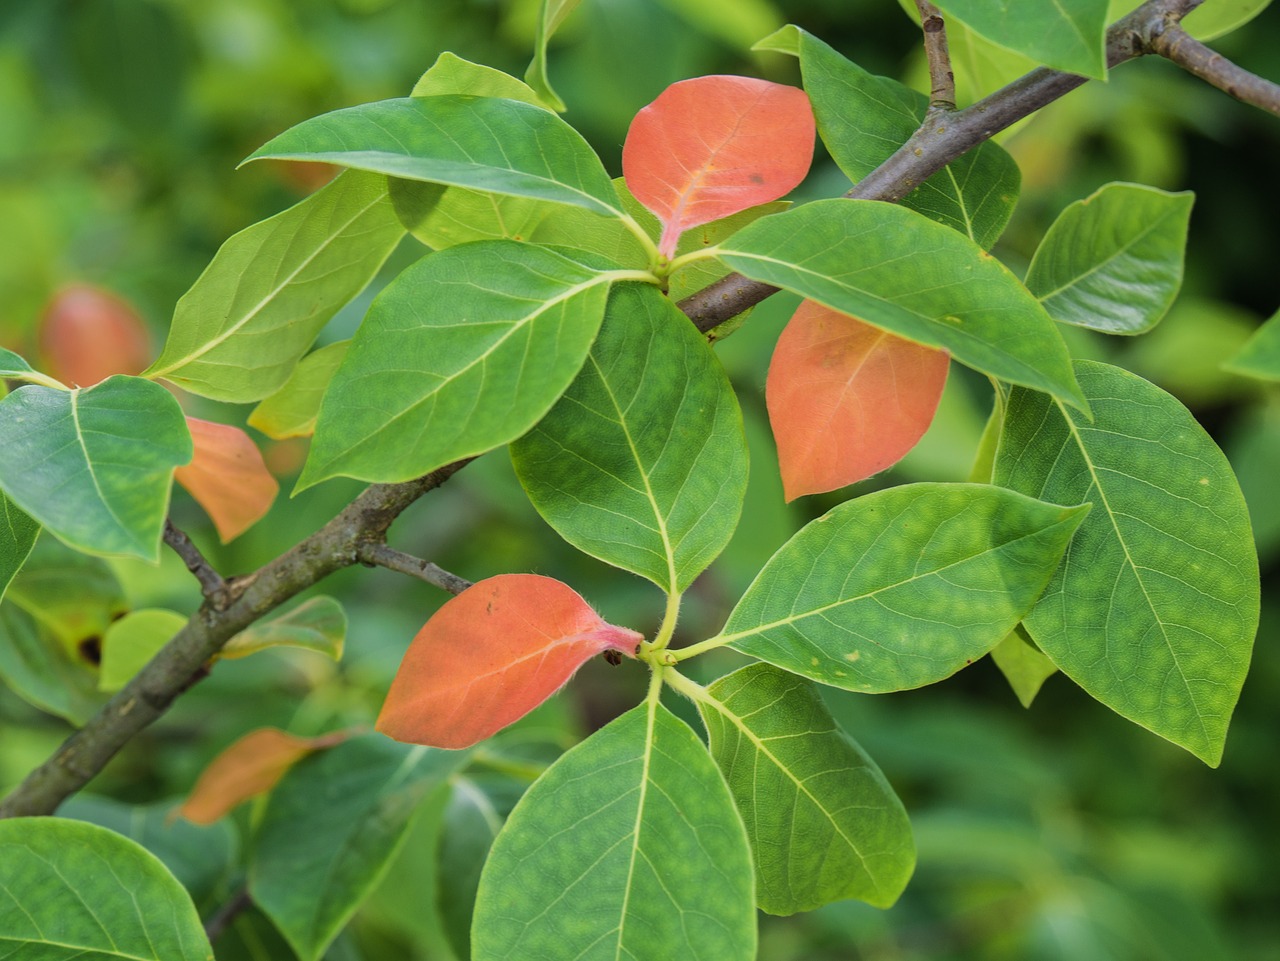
90,649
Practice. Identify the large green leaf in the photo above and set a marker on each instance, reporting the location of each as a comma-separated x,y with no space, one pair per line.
629,846
1260,355
824,823
1113,261
642,462
863,119
462,353
1154,609
1065,36
899,271
903,587
483,143
17,537
95,465
72,891
248,319
331,829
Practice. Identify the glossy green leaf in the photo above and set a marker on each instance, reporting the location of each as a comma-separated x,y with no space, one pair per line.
1154,609
462,353
1023,665
483,143
94,465
41,670
863,119
1113,261
17,536
629,846
823,822
642,462
317,624
1260,355
1065,36
247,320
74,891
330,831
292,410
852,255
132,641
552,14
903,587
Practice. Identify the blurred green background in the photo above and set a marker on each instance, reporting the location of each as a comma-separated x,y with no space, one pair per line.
1062,832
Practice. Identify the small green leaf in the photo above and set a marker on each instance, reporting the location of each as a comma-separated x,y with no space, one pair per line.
331,829
132,641
642,462
74,891
450,74
18,534
899,271
248,319
1065,36
95,465
553,14
1154,609
628,846
1022,665
1113,261
317,624
903,587
1260,355
823,822
292,410
462,353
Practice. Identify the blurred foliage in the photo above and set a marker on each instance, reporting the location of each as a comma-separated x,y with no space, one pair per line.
1062,832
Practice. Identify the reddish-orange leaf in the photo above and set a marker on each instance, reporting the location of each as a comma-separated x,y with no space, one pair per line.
87,334
227,477
490,656
251,766
847,400
713,146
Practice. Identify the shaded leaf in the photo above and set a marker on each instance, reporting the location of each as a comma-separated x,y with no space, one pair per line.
88,333
713,146
739,23
1065,36
847,400
1260,355
851,254
41,670
291,411
823,822
18,534
1113,261
552,14
1022,664
629,846
247,320
72,594
227,477
1154,609
317,624
94,465
491,655
642,462
132,641
15,367
903,587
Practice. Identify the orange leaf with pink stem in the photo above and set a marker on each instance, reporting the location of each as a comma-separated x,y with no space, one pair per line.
713,146
490,656
227,477
847,400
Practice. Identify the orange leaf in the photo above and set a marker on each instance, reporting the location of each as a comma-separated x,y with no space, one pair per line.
847,400
227,477
87,334
251,766
490,656
713,146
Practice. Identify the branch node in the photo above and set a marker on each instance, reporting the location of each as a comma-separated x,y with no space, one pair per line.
942,80
212,586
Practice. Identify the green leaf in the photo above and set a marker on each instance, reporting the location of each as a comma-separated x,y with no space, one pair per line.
903,587
1260,355
18,534
1218,17
292,410
38,668
74,891
823,822
1154,609
331,829
450,74
483,143
74,596
1065,36
642,463
95,465
628,846
1113,261
132,641
553,13
317,624
863,119
14,367
462,353
852,255
735,22
1022,665
248,319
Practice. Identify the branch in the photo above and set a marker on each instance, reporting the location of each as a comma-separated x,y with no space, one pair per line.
942,81
152,690
238,902
381,555
1191,55
212,586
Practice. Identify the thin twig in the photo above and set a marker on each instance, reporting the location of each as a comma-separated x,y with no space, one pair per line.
942,80
212,586
380,555
1193,56
222,918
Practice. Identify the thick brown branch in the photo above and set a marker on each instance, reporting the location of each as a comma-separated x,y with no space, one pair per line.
212,586
380,555
1193,56
942,81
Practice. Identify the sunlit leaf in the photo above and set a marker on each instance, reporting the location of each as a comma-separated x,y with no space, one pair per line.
1065,36
847,400
902,587
17,536
823,822
317,624
291,411
491,655
553,13
227,477
713,146
1022,664
1260,356
88,333
451,74
132,641
628,847
1154,609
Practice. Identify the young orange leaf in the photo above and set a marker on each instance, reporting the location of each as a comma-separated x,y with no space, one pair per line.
249,767
490,656
846,399
227,477
88,333
713,146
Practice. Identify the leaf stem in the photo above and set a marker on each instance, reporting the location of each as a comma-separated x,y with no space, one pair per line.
693,650
642,235
44,380
668,627
683,685
691,257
